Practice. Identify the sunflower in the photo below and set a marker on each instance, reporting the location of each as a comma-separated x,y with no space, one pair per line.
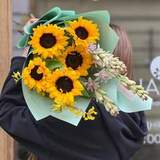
35,75
63,87
78,58
48,40
84,31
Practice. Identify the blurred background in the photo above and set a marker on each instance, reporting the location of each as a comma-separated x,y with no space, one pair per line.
141,20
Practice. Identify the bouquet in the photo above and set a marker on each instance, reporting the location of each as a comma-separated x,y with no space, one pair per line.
70,62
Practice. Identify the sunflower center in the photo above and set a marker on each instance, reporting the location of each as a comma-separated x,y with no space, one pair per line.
47,40
36,75
81,32
64,84
74,60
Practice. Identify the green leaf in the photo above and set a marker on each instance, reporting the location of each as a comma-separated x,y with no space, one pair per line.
66,22
85,93
53,64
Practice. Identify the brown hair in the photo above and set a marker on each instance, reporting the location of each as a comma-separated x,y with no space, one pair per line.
124,49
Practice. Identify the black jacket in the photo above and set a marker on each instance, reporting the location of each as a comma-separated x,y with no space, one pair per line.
106,138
